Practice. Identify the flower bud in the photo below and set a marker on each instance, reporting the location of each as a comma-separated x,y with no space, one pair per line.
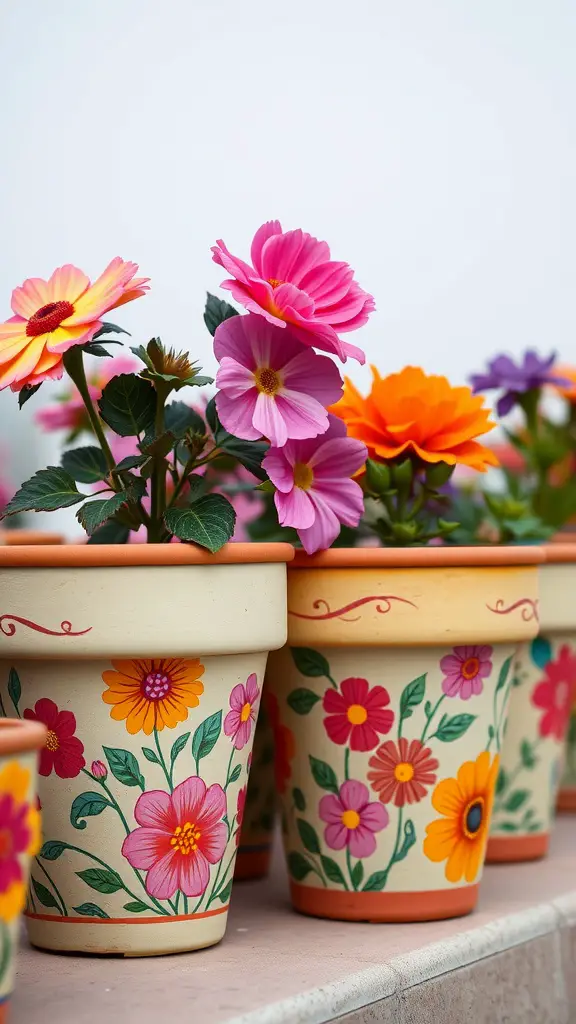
99,770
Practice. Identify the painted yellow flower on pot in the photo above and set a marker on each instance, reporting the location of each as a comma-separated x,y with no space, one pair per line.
19,837
154,693
466,802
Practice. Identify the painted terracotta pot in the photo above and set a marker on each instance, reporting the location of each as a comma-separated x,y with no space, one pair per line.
20,828
16,537
145,663
258,812
544,681
392,697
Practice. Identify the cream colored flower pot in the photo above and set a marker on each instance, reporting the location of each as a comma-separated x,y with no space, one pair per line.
20,831
145,663
544,682
392,697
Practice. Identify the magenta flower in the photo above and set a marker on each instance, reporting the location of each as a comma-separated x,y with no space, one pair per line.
181,835
271,385
293,280
243,711
465,669
314,492
99,770
352,820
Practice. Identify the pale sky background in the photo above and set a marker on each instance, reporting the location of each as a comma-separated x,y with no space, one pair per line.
432,144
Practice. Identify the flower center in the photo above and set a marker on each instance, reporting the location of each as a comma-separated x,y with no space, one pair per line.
52,741
470,668
357,715
5,844
267,380
275,282
156,686
350,819
303,476
404,771
185,838
48,318
245,713
473,817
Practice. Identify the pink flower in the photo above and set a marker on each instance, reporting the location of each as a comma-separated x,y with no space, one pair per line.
352,820
465,669
181,835
293,280
271,385
243,701
314,492
555,694
99,770
240,808
356,713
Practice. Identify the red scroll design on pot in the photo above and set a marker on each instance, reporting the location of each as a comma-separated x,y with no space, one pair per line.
527,604
323,610
8,627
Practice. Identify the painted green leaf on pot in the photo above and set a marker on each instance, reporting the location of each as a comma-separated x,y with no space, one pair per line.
235,774
224,895
412,696
91,910
453,728
298,866
541,651
407,842
516,799
503,676
43,895
535,826
308,836
299,799
507,826
178,747
302,700
376,882
309,662
324,775
14,687
101,879
332,871
206,736
124,766
501,782
527,754
52,849
151,755
136,907
86,805
357,874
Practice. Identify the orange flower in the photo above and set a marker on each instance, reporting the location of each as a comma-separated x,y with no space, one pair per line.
152,694
413,413
567,390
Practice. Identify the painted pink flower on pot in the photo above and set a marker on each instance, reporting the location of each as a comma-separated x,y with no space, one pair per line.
64,752
243,711
356,714
352,820
465,670
180,836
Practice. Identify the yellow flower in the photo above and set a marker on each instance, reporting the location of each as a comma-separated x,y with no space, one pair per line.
466,802
153,694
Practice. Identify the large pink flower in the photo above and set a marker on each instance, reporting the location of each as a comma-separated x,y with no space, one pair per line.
465,669
352,820
293,280
243,711
271,385
314,492
181,835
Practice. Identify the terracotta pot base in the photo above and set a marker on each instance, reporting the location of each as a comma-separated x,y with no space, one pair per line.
252,863
566,800
384,907
514,849
4,1012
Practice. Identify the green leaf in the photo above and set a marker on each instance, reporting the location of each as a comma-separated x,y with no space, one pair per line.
235,774
224,894
332,871
324,775
357,874
298,866
136,907
541,651
209,522
130,462
506,826
128,405
110,533
124,766
527,754
299,799
501,782
52,849
302,700
86,465
108,328
91,910
101,879
178,746
516,799
46,491
309,662
26,392
408,841
150,755
91,348
216,311
94,513
453,728
248,453
412,696
43,895
158,445
14,687
376,882
179,418
206,736
308,836
87,805
503,676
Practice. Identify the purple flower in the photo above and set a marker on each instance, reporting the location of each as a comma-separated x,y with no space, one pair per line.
351,819
515,379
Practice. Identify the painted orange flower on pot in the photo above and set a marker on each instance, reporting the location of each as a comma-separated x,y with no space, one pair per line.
460,836
151,694
418,414
402,771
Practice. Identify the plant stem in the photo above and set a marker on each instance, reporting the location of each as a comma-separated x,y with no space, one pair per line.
103,864
347,763
155,529
431,716
64,911
228,780
74,365
2,708
162,761
349,866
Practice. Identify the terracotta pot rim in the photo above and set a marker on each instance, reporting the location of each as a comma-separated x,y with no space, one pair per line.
108,555
20,735
13,537
408,558
560,552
